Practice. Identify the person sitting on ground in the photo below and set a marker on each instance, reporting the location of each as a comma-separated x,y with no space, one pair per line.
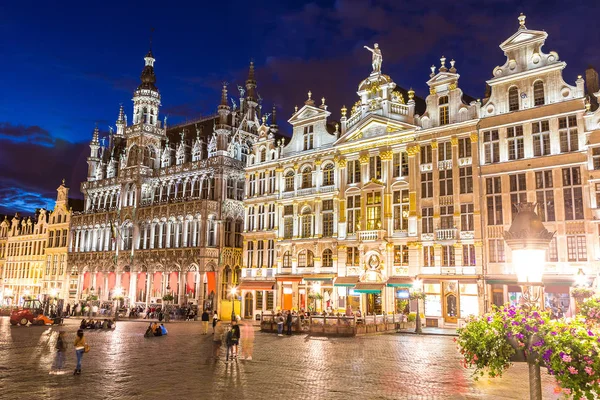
163,330
112,324
149,332
83,324
105,324
157,330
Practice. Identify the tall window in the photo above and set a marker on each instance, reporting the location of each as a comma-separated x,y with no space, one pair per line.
327,218
272,178
262,182
287,260
466,179
327,258
545,195
251,188
426,155
400,198
567,132
514,136
552,253
270,253
494,201
464,147
468,255
572,193
308,137
260,252
373,210
576,248
306,223
428,256
541,138
443,110
446,217
426,184
354,171
352,256
496,250
306,259
596,157
445,151
445,182
467,222
251,218
289,181
538,93
328,175
288,227
427,220
271,217
401,255
448,256
261,217
211,239
518,192
400,164
353,213
306,178
250,255
513,99
375,167
491,146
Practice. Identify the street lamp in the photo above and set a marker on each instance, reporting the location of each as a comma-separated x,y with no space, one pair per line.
528,239
581,278
417,294
233,292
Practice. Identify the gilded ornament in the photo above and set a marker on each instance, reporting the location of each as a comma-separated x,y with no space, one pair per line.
413,150
452,86
454,141
411,94
434,144
478,244
386,155
342,162
474,137
431,90
318,162
364,159
344,110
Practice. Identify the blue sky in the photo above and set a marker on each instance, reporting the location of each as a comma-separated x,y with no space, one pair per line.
68,65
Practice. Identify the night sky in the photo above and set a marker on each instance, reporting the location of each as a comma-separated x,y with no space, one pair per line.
66,67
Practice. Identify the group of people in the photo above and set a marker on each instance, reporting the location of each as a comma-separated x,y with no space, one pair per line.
232,335
156,329
98,324
81,347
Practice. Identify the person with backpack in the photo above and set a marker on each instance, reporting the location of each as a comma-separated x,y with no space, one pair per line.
279,320
81,347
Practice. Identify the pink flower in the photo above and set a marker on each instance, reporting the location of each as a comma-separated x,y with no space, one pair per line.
567,391
566,358
589,371
573,371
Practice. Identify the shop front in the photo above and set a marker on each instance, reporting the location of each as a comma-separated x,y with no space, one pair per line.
348,300
256,297
290,293
372,296
449,301
317,293
400,287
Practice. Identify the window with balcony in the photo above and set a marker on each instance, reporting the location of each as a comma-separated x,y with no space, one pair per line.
568,135
400,164
250,254
287,260
468,255
328,175
401,202
289,181
545,195
327,258
494,201
576,248
572,193
446,217
514,137
541,138
306,223
373,210
446,188
308,137
427,220
354,214
375,167
306,259
518,192
445,151
496,250
448,256
426,184
467,221
428,256
443,110
491,147
538,93
354,171
466,179
352,256
464,147
426,154
306,178
513,99
401,255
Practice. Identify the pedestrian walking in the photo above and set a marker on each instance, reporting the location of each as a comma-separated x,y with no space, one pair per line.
229,344
280,321
68,310
215,320
205,320
235,337
59,360
247,340
217,340
288,322
81,347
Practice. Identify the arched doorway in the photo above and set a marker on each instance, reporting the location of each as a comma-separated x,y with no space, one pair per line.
248,305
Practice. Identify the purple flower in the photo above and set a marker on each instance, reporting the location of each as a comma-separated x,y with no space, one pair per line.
535,329
553,333
515,323
590,333
519,335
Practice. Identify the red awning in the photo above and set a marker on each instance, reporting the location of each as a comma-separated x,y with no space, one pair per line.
256,285
291,278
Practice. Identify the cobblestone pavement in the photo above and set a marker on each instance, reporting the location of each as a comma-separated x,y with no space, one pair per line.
123,364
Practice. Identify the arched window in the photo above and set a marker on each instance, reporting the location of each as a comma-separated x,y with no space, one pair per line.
538,93
443,110
237,273
287,260
327,258
306,177
306,259
328,175
306,223
228,232
263,155
145,115
289,181
132,158
211,239
513,99
151,116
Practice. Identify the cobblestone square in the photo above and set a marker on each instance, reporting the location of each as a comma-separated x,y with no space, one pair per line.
123,364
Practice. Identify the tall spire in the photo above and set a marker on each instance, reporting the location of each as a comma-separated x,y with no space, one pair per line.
223,108
274,117
251,83
121,121
95,135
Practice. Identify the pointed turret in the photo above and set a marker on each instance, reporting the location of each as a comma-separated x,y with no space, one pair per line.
93,160
223,129
251,83
146,98
121,121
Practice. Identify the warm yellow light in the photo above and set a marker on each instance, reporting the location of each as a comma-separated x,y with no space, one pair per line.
233,291
580,278
417,284
27,292
118,292
316,287
8,292
53,292
528,265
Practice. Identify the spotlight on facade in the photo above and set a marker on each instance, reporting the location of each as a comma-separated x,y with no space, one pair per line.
581,278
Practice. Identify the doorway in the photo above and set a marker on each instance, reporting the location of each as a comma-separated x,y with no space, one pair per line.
374,303
248,305
450,299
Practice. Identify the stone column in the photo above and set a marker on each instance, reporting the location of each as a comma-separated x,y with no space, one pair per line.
413,188
386,169
132,291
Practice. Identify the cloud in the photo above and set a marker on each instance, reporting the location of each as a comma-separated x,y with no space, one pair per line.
14,200
22,133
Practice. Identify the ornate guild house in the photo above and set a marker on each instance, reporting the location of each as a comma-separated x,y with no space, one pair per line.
163,204
347,216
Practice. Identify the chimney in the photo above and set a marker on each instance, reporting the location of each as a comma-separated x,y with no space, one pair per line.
591,85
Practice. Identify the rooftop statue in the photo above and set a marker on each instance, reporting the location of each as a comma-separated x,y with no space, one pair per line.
377,58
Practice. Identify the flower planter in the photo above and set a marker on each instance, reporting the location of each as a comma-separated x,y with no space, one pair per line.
346,330
381,327
330,329
361,329
371,328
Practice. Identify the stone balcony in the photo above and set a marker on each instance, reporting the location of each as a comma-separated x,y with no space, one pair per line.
371,236
446,234
458,270
258,273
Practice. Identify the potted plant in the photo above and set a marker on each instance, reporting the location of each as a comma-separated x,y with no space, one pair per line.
590,310
580,293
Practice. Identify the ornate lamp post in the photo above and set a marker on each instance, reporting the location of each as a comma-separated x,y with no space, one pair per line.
233,292
528,239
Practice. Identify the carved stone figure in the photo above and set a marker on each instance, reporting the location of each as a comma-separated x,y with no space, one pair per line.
377,57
